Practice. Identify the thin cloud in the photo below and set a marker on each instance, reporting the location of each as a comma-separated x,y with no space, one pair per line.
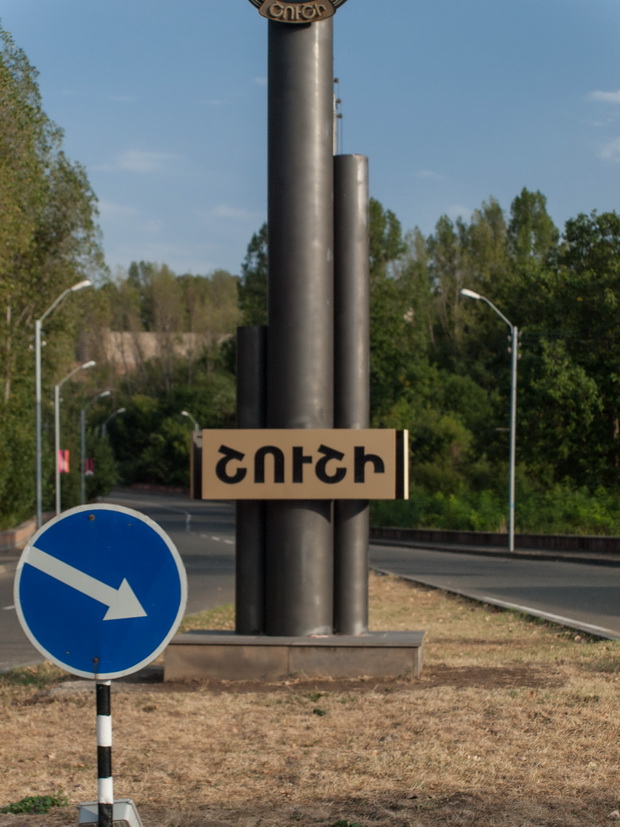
234,213
140,161
117,212
455,211
605,97
429,174
136,160
611,151
122,98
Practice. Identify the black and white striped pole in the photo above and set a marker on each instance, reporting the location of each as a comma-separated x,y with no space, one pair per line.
105,782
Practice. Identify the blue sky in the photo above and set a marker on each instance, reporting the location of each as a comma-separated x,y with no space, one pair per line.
164,103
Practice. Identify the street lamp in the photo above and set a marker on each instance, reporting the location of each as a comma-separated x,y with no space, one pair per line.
189,416
37,393
104,428
57,388
83,442
514,333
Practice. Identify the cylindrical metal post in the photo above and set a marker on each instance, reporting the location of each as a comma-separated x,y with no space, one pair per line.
57,445
351,381
105,783
299,541
513,436
82,456
250,514
38,438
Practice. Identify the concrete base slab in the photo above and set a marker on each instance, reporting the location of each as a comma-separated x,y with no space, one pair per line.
212,655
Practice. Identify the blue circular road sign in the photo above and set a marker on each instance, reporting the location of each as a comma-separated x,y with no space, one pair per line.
100,590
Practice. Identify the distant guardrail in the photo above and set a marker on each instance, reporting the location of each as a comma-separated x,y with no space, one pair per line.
587,544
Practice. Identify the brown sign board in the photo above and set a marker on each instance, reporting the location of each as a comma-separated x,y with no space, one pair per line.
303,464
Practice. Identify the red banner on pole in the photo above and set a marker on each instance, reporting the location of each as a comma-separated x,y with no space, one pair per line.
63,461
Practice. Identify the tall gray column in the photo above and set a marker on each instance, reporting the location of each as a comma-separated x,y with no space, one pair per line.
299,541
250,514
352,381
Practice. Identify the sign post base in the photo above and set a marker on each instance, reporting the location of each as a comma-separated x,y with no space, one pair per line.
125,813
215,655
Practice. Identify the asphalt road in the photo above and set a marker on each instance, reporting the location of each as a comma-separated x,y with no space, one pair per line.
581,596
585,597
204,534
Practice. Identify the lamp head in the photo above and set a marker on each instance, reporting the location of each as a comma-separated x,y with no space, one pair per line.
81,285
470,294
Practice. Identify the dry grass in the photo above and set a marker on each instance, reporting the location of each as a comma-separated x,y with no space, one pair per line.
514,723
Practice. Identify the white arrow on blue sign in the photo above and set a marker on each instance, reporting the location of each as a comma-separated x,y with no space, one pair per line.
100,590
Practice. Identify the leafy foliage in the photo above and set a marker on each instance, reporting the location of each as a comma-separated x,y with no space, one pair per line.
440,364
36,804
253,282
49,241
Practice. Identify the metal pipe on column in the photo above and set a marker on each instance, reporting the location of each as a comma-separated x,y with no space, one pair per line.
299,535
351,381
250,514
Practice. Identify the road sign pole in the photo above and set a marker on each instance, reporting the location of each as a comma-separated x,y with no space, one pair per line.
105,783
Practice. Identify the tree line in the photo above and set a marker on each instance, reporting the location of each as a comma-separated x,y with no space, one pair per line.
171,356
49,241
440,363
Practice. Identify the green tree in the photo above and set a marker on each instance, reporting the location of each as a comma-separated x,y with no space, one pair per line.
557,445
49,240
386,240
532,235
584,312
254,277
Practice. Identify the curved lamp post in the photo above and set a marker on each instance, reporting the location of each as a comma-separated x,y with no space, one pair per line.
83,442
104,427
37,393
57,388
514,333
189,416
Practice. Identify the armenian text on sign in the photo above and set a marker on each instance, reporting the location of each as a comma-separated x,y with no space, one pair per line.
304,464
297,11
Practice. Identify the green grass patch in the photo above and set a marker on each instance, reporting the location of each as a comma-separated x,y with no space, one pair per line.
36,804
39,676
221,618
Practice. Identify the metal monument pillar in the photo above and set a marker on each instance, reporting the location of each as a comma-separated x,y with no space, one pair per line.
302,462
352,381
299,534
250,514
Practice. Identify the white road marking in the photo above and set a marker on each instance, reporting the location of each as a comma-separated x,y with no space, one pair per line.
563,621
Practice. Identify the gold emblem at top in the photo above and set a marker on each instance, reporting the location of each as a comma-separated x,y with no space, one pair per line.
297,11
